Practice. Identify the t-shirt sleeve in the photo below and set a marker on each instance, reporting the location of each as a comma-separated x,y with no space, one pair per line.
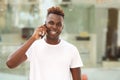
76,59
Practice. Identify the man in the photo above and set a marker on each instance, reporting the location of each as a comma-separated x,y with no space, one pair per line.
51,58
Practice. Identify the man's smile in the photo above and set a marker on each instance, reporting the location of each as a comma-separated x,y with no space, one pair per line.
52,32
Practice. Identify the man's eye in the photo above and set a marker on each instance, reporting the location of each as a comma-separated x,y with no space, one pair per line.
51,23
59,24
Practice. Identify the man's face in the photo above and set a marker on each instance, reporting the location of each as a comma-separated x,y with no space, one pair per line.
54,24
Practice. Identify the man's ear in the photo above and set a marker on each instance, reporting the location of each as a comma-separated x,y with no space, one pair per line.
63,27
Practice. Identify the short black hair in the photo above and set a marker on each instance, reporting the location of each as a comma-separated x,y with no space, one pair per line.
56,10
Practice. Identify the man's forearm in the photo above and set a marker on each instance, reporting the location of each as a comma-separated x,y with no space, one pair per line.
19,55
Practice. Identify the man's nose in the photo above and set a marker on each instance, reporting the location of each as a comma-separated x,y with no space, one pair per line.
54,26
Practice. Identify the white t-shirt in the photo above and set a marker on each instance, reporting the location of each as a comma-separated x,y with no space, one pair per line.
52,62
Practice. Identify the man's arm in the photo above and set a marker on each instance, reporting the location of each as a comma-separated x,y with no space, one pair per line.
19,55
76,73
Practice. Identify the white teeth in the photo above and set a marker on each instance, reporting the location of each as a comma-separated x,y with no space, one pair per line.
53,32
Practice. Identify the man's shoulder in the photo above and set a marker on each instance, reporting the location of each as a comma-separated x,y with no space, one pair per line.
37,42
68,44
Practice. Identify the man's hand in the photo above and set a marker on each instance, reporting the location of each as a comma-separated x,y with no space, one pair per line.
39,32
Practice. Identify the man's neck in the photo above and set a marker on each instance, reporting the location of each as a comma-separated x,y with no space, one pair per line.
52,41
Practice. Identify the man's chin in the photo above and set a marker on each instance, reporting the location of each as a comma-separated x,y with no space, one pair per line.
53,37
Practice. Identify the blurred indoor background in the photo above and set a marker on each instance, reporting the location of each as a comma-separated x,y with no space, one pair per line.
91,25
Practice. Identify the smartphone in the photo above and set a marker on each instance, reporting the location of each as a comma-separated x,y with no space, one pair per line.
45,25
44,33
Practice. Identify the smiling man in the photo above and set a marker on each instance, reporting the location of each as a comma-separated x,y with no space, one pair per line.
51,58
